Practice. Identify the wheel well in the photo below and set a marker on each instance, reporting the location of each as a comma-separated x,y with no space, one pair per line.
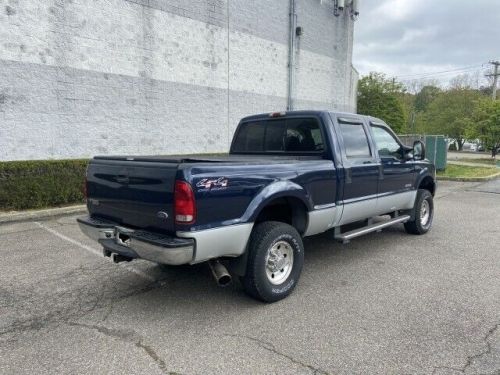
428,184
288,210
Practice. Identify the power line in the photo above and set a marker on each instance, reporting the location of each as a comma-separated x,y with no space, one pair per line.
430,74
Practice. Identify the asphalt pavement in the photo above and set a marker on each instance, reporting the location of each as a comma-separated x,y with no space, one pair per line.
386,303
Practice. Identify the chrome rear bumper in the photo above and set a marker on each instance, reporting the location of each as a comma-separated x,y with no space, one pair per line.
133,243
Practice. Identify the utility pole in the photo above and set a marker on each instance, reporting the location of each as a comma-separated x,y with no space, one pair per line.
495,78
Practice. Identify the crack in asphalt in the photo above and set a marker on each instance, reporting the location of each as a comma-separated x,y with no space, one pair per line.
471,358
271,348
63,316
486,351
128,336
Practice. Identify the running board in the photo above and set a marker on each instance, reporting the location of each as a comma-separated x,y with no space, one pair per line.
377,227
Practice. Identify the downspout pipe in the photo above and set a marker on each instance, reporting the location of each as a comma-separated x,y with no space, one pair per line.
291,55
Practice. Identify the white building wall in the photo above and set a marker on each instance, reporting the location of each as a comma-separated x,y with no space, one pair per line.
86,77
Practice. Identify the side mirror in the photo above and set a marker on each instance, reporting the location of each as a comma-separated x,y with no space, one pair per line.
418,150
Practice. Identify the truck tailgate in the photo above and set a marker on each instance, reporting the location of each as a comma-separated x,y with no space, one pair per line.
133,193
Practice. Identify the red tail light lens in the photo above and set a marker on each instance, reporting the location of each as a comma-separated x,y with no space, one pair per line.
184,203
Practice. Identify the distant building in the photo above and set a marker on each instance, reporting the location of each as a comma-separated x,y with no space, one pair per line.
86,77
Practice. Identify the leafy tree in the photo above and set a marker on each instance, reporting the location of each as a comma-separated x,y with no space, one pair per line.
451,113
425,96
466,81
378,96
485,124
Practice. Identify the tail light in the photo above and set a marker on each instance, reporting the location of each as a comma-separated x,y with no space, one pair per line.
184,203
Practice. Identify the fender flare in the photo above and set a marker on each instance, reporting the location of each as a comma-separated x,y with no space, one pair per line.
278,189
423,174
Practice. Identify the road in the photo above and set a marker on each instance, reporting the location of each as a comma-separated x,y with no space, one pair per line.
387,303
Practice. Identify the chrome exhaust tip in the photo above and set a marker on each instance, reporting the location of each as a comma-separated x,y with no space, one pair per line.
220,273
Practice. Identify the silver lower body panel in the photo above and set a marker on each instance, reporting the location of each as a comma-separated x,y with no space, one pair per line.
227,241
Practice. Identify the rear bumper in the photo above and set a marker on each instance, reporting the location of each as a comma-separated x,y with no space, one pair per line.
132,243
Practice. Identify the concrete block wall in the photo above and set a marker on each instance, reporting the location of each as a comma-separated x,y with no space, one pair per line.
86,77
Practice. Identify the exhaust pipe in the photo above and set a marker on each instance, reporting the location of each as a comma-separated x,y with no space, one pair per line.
117,258
220,273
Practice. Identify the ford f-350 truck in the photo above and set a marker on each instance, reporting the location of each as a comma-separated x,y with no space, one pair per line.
288,175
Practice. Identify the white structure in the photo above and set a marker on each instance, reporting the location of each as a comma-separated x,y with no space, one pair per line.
79,78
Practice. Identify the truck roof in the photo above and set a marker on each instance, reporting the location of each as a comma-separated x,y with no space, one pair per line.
261,116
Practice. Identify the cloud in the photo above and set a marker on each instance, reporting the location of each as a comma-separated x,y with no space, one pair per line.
398,10
404,37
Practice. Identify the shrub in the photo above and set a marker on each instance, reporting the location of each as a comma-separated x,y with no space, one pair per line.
41,183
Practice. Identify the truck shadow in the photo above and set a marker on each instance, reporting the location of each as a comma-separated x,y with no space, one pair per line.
324,260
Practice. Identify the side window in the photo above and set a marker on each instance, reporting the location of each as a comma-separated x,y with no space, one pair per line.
387,146
355,140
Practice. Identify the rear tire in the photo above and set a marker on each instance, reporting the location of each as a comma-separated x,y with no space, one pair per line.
423,213
275,260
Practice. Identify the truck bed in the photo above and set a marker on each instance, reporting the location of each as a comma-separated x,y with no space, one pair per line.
138,191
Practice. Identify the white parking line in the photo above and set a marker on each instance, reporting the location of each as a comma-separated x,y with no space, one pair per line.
94,251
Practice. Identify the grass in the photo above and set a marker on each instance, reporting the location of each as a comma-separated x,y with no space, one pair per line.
486,161
463,171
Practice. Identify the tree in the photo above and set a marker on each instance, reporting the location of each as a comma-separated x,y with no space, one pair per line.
451,113
466,81
485,124
425,97
378,97
414,86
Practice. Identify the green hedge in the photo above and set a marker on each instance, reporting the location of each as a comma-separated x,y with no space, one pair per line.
41,183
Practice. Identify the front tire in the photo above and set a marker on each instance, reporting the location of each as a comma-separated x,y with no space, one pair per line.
423,213
275,260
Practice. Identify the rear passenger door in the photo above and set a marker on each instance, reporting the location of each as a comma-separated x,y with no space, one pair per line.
361,169
395,185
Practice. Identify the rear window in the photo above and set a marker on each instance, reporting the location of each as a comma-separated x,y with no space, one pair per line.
279,135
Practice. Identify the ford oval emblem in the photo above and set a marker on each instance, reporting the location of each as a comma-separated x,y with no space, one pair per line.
162,215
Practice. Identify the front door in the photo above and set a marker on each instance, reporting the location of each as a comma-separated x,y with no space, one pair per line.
361,170
395,187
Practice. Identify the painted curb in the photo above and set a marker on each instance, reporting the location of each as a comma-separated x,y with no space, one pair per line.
18,216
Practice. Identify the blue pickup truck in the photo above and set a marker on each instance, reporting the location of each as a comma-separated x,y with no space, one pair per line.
288,175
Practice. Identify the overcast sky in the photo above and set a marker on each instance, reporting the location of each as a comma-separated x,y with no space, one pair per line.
408,38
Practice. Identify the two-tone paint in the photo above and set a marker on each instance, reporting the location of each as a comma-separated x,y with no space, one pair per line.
232,191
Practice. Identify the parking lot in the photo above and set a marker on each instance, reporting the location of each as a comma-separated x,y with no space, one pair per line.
387,303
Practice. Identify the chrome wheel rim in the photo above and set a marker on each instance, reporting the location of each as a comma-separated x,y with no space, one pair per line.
279,262
425,212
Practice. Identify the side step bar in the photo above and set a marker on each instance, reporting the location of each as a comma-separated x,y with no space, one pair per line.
377,227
